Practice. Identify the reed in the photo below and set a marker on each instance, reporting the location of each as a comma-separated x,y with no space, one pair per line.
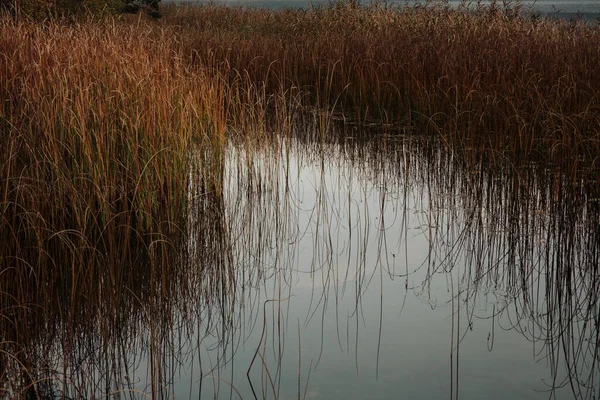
98,120
114,132
493,75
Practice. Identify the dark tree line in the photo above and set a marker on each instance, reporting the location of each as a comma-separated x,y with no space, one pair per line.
47,8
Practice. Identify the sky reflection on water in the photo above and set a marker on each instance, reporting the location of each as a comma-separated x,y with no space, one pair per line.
369,259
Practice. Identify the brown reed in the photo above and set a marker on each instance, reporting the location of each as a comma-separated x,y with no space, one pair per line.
103,122
524,84
98,119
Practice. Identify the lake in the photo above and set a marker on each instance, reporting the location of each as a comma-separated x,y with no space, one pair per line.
588,10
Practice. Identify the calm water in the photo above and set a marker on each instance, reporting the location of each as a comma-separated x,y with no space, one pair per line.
586,9
378,267
384,269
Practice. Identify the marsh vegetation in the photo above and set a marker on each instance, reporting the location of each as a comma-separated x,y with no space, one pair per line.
185,201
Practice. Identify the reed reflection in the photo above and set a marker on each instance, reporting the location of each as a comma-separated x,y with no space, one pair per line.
312,259
514,245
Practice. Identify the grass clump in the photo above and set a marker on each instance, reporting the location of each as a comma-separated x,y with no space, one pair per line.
97,122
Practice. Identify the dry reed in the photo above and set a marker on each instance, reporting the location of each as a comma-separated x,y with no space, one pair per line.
99,120
523,84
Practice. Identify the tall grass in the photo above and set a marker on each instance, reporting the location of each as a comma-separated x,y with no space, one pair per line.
492,75
113,131
98,119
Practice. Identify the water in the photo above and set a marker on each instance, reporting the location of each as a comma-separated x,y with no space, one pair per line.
355,266
588,10
377,280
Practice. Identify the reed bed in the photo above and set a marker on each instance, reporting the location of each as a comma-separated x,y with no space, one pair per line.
98,119
494,75
114,132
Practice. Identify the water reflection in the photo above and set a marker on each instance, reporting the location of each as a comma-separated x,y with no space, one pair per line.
484,242
348,265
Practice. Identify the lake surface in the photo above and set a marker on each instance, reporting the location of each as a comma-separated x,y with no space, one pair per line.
588,10
367,266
